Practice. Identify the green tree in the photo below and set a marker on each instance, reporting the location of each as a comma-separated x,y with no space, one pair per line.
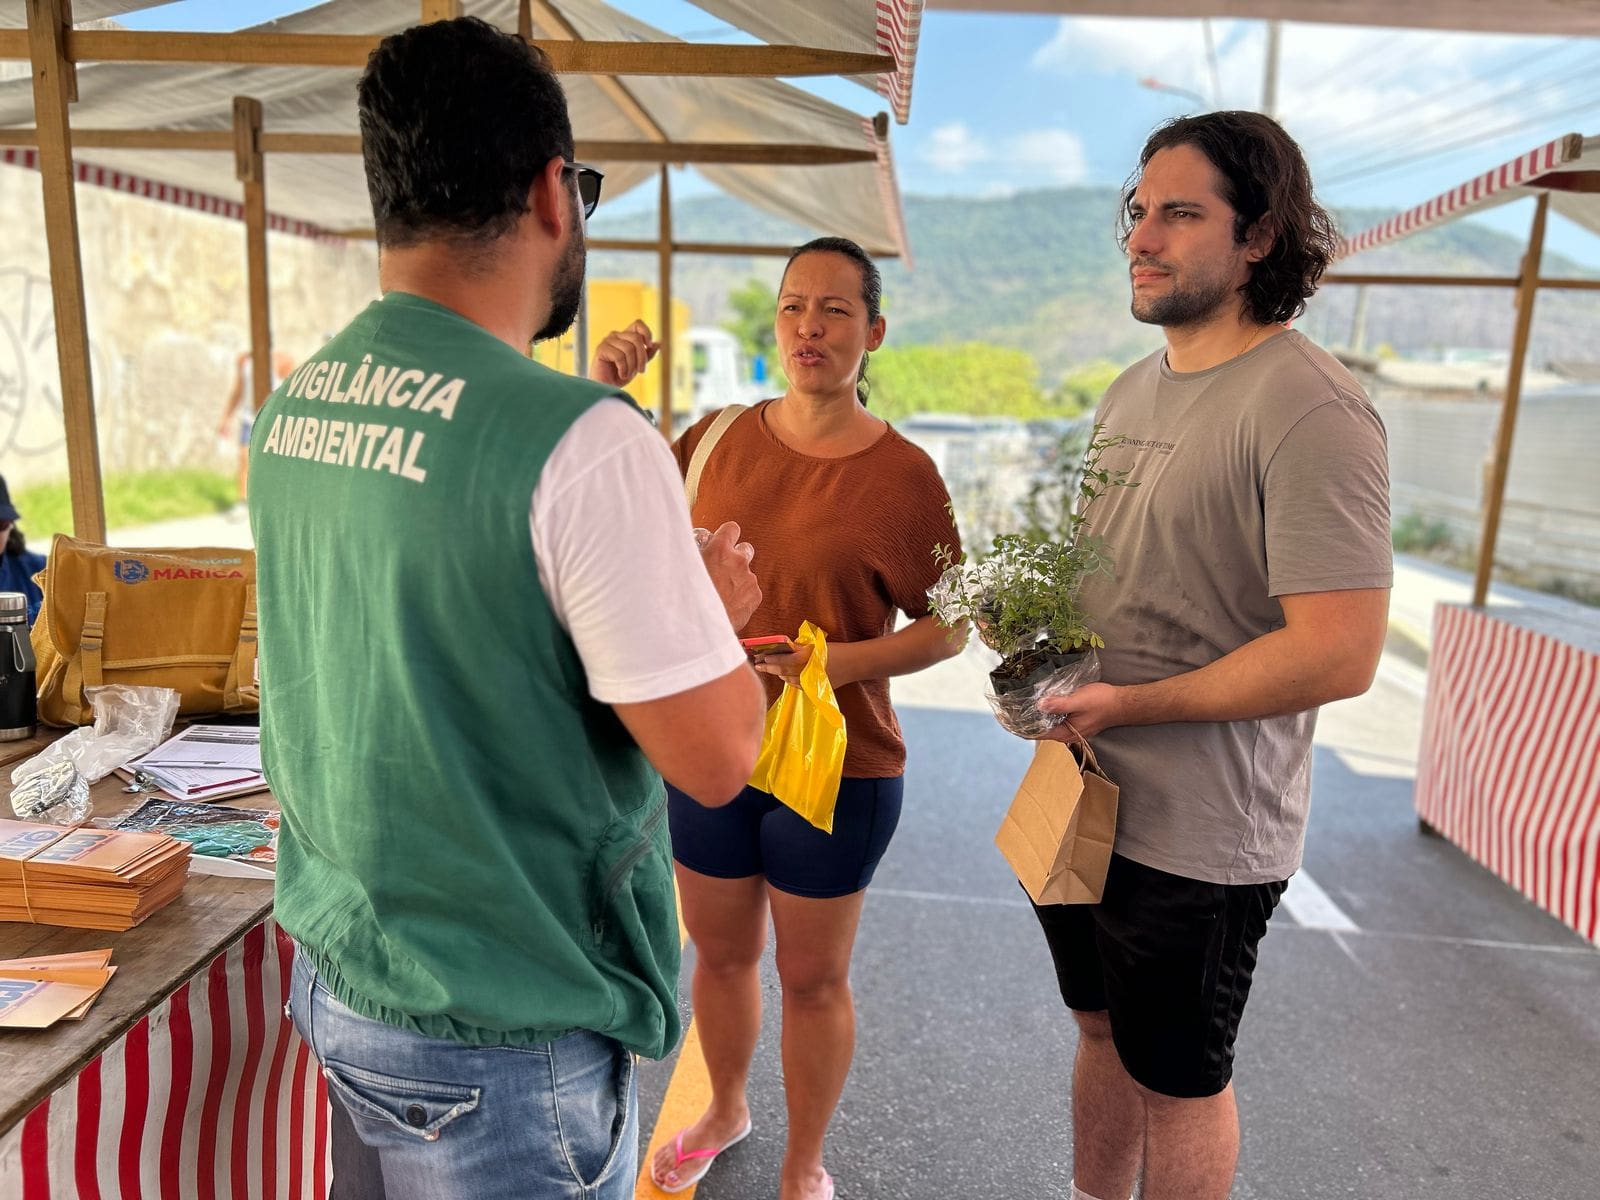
970,377
754,305
1082,386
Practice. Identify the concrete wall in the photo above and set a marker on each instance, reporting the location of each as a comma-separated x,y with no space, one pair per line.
167,317
1550,527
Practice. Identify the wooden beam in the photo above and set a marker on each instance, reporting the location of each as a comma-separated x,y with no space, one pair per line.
557,25
525,20
664,259
1367,277
46,34
1571,181
1495,492
762,153
440,10
758,153
130,139
351,50
628,246
1509,281
251,170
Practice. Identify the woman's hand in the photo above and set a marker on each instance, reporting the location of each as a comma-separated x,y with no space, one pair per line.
622,356
786,666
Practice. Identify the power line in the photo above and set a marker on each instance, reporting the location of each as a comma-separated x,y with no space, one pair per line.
1402,117
1478,138
1402,123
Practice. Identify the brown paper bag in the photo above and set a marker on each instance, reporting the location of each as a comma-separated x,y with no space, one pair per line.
1058,831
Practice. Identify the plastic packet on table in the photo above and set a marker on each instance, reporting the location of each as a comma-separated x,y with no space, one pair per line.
56,794
1016,702
128,722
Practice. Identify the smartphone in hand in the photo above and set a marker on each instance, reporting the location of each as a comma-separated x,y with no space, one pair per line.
757,646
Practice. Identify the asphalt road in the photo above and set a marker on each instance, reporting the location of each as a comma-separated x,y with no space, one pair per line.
1417,1031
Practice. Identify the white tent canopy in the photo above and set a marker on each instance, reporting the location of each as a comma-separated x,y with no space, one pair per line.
14,15
890,27
1567,168
855,199
1578,17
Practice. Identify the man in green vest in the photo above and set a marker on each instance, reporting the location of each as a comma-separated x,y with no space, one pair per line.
487,633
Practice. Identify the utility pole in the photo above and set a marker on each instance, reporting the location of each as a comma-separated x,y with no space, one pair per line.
1358,322
1269,82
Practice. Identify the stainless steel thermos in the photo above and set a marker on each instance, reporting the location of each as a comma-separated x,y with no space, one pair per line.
19,690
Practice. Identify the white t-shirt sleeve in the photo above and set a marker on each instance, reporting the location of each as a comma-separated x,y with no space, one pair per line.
618,561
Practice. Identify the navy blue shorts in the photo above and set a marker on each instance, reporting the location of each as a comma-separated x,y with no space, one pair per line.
756,835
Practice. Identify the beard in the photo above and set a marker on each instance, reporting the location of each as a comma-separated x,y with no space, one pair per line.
566,289
1183,304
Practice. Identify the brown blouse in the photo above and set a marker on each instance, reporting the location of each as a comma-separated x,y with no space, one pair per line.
839,542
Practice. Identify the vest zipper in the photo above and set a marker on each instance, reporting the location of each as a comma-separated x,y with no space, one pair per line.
627,863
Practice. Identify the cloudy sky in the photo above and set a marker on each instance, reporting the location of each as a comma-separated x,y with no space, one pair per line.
1387,118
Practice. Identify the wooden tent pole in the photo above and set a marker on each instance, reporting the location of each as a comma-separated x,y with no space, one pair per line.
251,170
1495,492
54,85
761,61
664,252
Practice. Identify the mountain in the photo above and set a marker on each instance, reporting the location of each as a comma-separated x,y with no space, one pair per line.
1040,270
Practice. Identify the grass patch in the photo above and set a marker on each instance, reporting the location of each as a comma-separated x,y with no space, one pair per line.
132,498
1415,534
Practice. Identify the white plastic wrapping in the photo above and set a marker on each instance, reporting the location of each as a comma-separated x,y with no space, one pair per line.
1016,702
128,722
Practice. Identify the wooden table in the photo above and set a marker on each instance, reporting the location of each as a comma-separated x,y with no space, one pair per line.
184,1079
1509,768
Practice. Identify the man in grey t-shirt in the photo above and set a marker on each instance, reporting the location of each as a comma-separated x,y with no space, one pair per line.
1252,573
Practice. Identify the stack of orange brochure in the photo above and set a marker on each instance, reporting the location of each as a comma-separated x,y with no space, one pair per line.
87,878
37,992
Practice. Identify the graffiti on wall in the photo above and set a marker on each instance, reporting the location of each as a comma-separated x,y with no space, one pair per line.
30,392
30,380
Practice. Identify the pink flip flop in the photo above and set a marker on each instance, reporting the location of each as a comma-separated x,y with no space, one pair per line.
681,1156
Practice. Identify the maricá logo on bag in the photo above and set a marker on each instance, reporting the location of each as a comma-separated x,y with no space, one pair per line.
130,570
133,570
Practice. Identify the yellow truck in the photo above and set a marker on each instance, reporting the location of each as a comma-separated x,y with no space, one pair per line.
613,304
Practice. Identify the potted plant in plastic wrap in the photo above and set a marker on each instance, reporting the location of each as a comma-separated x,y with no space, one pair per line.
1022,596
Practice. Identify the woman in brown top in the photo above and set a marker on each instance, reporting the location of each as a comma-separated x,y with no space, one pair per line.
844,514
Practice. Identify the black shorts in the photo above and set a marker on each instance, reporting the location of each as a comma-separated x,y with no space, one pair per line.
1169,959
757,835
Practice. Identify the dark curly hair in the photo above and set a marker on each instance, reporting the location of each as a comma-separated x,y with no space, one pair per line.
1264,175
871,288
457,120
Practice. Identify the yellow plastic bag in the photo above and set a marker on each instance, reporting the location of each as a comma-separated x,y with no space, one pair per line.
802,748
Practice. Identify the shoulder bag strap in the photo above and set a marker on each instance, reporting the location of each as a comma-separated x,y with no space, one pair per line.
702,452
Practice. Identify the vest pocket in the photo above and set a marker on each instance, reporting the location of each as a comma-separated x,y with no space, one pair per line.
412,1106
626,844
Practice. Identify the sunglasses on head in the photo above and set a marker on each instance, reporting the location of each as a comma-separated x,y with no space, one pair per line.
589,181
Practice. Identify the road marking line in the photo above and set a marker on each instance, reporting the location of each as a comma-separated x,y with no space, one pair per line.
687,1098
688,1093
1313,908
947,898
1406,676
1474,943
1351,927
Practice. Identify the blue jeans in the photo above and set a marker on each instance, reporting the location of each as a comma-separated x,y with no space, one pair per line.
557,1121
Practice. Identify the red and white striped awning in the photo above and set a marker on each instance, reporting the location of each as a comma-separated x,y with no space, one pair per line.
876,26
1568,168
166,193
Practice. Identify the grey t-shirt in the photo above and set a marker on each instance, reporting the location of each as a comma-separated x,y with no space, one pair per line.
1264,476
